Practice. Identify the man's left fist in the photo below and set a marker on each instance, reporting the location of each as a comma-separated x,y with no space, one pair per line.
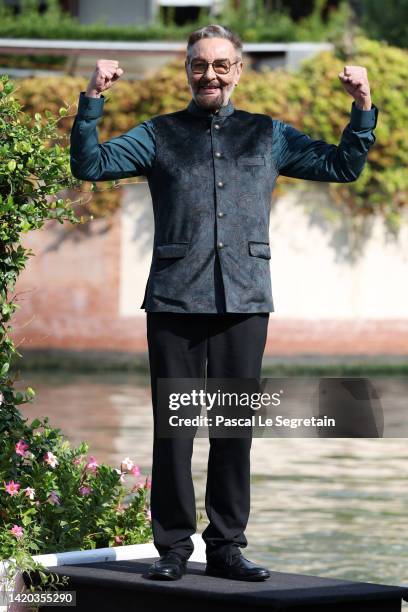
355,82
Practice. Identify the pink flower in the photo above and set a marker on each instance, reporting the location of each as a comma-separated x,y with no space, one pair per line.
17,531
54,499
51,459
29,492
92,464
148,483
21,447
1,398
77,460
149,515
135,471
12,487
84,490
122,476
118,539
127,464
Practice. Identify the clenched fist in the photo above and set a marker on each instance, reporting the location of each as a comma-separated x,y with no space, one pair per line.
355,82
106,73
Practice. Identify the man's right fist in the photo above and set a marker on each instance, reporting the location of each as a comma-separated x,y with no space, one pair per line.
106,73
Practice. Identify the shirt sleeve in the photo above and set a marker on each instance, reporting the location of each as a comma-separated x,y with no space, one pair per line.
299,156
131,154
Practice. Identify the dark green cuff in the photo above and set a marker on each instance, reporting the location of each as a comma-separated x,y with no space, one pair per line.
363,119
90,108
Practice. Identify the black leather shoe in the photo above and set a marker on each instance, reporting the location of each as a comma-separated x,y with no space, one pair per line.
170,566
238,568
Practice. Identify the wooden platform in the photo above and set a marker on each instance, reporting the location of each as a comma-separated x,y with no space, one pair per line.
123,586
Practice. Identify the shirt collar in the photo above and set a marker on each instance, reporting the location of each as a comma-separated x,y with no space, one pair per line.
224,111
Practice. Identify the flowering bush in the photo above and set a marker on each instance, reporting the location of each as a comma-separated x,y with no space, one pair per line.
55,498
60,498
52,497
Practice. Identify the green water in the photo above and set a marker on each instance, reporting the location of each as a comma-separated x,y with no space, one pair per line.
327,507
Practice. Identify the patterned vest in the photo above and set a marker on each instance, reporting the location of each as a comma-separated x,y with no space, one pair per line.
211,186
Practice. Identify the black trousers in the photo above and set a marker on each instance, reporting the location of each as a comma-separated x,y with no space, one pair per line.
182,345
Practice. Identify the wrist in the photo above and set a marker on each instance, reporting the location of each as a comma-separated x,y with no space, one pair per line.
92,93
365,106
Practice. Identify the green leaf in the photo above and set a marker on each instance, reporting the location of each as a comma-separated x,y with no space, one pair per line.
25,226
5,368
12,165
30,392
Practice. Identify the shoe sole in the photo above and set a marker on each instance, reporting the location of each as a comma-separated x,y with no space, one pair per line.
216,574
155,576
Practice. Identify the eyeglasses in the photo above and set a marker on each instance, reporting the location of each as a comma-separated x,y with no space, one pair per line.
220,66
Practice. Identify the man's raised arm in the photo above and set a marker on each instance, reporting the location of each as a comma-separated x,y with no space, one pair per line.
130,154
302,157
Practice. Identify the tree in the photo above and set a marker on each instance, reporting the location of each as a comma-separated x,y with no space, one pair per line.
386,21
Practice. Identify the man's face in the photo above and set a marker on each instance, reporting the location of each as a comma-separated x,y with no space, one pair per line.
209,89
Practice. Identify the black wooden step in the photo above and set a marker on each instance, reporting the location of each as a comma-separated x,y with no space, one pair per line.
123,585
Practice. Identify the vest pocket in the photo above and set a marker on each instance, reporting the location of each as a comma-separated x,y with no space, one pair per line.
260,249
251,161
174,249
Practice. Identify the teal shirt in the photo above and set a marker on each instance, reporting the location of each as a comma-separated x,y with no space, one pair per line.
296,154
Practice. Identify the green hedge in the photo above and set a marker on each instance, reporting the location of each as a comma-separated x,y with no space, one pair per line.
312,100
253,24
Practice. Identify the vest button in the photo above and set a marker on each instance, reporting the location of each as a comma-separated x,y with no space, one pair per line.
217,126
217,154
220,214
220,184
220,245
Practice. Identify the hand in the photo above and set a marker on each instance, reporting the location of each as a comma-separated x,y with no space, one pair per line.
355,82
106,73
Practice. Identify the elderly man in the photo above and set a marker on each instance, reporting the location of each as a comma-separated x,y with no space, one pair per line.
211,170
